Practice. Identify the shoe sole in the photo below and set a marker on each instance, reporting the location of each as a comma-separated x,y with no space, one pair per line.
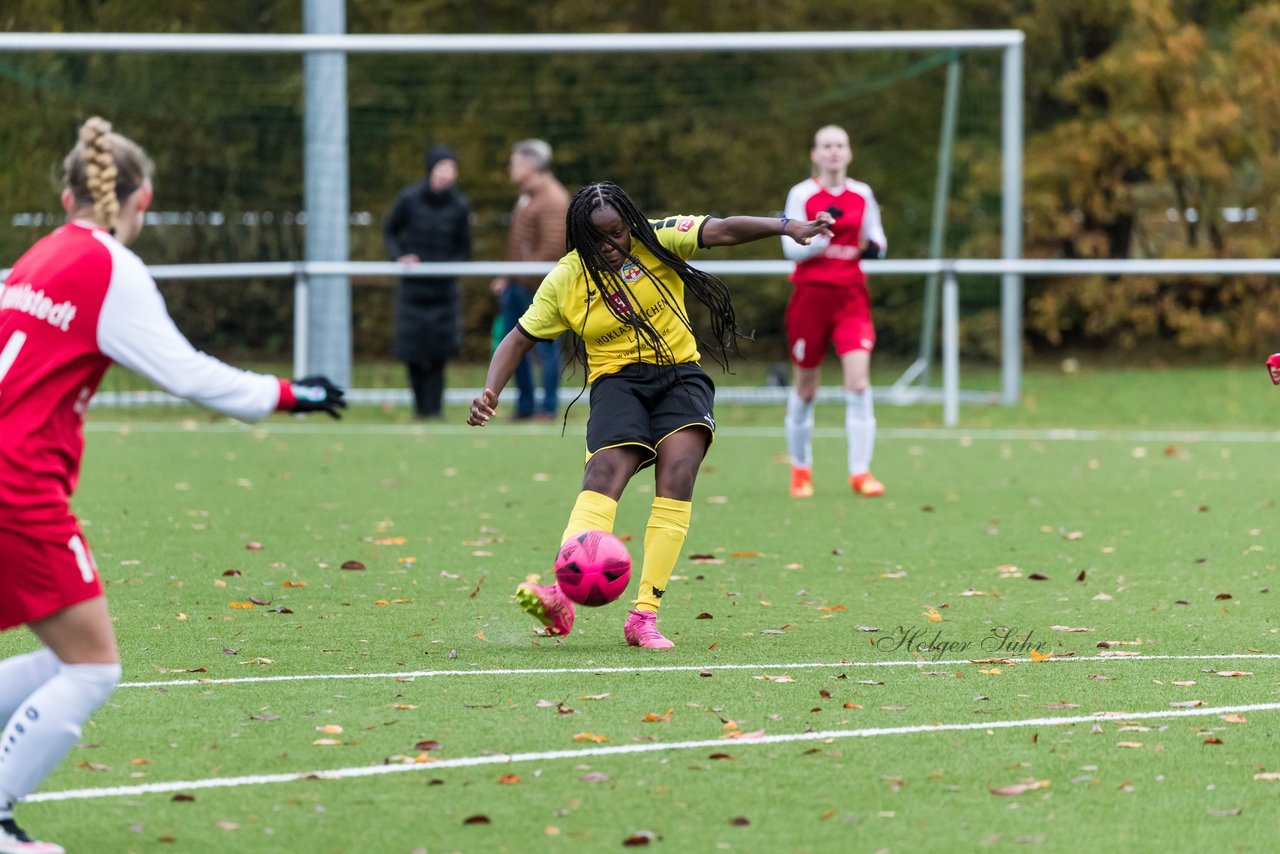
531,604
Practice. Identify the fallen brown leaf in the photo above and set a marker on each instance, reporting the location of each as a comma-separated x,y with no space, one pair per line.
1020,788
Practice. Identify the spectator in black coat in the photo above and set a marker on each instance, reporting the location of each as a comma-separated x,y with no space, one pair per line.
431,221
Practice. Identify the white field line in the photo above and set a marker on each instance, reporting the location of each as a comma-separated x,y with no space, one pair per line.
678,668
622,749
1063,434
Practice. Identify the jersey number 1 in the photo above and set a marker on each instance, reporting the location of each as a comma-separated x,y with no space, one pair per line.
10,352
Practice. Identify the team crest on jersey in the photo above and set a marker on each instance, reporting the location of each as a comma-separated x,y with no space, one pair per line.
685,224
631,272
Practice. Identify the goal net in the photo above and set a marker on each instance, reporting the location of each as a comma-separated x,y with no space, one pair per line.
716,131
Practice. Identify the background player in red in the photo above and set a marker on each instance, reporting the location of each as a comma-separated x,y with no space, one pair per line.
1273,368
621,290
75,302
830,305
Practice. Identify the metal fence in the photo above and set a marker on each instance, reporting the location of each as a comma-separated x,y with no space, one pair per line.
952,272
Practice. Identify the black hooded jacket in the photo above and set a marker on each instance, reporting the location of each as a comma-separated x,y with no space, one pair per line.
435,227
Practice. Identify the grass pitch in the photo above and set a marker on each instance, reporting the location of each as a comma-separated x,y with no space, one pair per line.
781,721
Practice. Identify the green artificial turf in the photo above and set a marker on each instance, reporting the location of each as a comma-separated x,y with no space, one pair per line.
1160,540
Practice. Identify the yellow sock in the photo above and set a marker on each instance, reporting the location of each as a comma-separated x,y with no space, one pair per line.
593,511
663,539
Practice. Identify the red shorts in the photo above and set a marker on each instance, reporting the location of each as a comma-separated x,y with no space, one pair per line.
40,577
818,316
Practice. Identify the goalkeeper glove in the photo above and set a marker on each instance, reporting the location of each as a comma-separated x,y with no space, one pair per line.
317,394
873,252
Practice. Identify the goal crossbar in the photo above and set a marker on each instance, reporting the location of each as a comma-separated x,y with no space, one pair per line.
299,43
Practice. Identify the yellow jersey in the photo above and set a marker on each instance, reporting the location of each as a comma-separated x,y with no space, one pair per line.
567,300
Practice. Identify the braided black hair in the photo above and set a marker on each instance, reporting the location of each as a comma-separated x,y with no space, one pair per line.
583,236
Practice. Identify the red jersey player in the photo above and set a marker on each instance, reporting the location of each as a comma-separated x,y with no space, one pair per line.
1273,368
830,305
77,301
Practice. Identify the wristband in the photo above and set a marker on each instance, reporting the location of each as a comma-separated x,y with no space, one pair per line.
288,400
785,220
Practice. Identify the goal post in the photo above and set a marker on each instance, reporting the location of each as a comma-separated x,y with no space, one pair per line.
325,50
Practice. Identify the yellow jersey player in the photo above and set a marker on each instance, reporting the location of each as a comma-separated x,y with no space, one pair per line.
621,291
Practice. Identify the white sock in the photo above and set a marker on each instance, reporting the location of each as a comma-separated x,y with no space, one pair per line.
46,725
23,674
799,425
860,427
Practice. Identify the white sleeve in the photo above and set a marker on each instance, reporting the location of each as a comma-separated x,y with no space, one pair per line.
872,228
795,210
135,330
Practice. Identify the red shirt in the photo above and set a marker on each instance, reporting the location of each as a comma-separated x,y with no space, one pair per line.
834,261
74,303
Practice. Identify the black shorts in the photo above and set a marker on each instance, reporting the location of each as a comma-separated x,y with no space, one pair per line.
643,404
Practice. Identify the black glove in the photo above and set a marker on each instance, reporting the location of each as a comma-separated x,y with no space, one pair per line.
317,394
872,252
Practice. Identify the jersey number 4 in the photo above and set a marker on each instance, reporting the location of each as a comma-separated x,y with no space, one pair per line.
10,352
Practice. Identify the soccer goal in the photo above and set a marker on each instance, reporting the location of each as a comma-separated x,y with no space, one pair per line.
280,148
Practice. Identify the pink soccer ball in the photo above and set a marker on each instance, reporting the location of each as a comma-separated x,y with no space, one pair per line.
593,568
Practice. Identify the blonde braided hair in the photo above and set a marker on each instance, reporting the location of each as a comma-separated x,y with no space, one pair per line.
104,168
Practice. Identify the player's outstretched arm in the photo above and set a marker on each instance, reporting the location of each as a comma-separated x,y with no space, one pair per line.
733,230
514,347
314,393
